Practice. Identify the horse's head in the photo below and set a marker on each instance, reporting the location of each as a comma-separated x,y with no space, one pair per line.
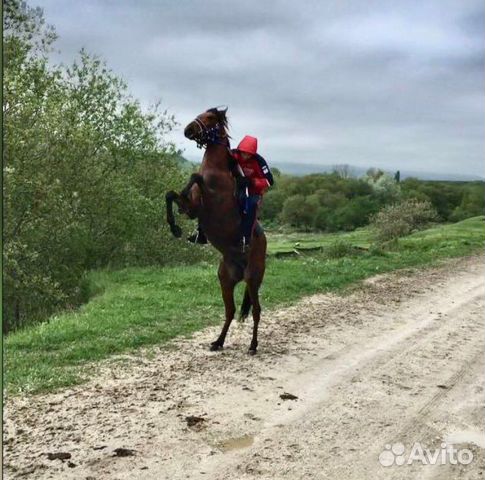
208,127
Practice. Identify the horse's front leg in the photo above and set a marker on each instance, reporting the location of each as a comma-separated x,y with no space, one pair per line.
195,178
171,197
183,202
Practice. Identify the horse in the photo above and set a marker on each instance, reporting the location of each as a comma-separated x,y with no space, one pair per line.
211,196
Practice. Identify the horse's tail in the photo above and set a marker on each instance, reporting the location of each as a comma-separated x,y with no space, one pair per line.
245,307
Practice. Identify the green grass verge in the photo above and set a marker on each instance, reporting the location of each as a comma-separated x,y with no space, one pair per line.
282,243
145,306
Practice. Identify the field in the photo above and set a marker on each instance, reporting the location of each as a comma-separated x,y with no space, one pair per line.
146,306
281,243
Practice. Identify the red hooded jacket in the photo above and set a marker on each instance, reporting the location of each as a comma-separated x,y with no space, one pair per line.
255,167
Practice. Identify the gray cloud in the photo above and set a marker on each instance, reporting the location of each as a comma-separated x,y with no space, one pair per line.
390,84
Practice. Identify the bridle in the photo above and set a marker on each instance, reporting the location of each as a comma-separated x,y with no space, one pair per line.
208,135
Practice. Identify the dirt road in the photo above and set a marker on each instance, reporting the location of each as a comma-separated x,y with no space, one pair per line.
398,362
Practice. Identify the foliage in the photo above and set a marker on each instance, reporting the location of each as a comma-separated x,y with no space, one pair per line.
271,205
385,187
472,203
322,202
298,211
85,170
452,200
339,249
400,219
354,213
337,201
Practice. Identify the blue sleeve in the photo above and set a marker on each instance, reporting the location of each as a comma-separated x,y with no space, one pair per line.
264,167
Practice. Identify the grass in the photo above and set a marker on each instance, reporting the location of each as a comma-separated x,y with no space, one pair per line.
146,306
283,243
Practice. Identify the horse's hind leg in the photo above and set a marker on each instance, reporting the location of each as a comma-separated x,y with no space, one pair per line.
253,289
227,287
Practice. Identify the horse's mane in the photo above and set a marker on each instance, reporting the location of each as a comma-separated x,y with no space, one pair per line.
221,118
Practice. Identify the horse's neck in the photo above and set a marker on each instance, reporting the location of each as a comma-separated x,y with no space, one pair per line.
216,156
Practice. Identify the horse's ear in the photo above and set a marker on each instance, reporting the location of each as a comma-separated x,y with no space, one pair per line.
222,110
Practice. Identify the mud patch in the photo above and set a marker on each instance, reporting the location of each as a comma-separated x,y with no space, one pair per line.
236,443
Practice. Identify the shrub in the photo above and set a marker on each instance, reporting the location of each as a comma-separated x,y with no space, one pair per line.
320,220
272,205
298,212
355,213
398,220
339,249
472,204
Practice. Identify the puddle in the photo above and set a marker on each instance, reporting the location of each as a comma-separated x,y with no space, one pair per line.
236,443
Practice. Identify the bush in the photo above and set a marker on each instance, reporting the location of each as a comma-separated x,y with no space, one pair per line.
298,212
321,219
339,249
272,204
472,204
355,213
398,220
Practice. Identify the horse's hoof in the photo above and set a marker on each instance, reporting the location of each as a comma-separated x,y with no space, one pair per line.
177,231
215,346
252,351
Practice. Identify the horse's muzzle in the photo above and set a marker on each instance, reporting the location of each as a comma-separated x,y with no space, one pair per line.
191,131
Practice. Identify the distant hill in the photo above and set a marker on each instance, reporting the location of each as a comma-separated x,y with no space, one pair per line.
309,168
184,163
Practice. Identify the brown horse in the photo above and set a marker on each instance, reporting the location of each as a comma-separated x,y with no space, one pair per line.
211,197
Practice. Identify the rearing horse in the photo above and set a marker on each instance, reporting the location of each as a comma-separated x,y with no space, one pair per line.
210,196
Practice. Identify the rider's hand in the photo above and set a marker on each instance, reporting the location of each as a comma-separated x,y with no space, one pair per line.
243,182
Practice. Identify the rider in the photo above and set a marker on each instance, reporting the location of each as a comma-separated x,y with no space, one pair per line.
255,179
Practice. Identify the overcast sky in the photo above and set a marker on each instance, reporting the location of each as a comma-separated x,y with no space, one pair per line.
394,84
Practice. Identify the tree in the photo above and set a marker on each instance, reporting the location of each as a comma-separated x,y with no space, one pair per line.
84,171
374,173
355,213
384,186
472,203
272,204
298,212
276,172
343,171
